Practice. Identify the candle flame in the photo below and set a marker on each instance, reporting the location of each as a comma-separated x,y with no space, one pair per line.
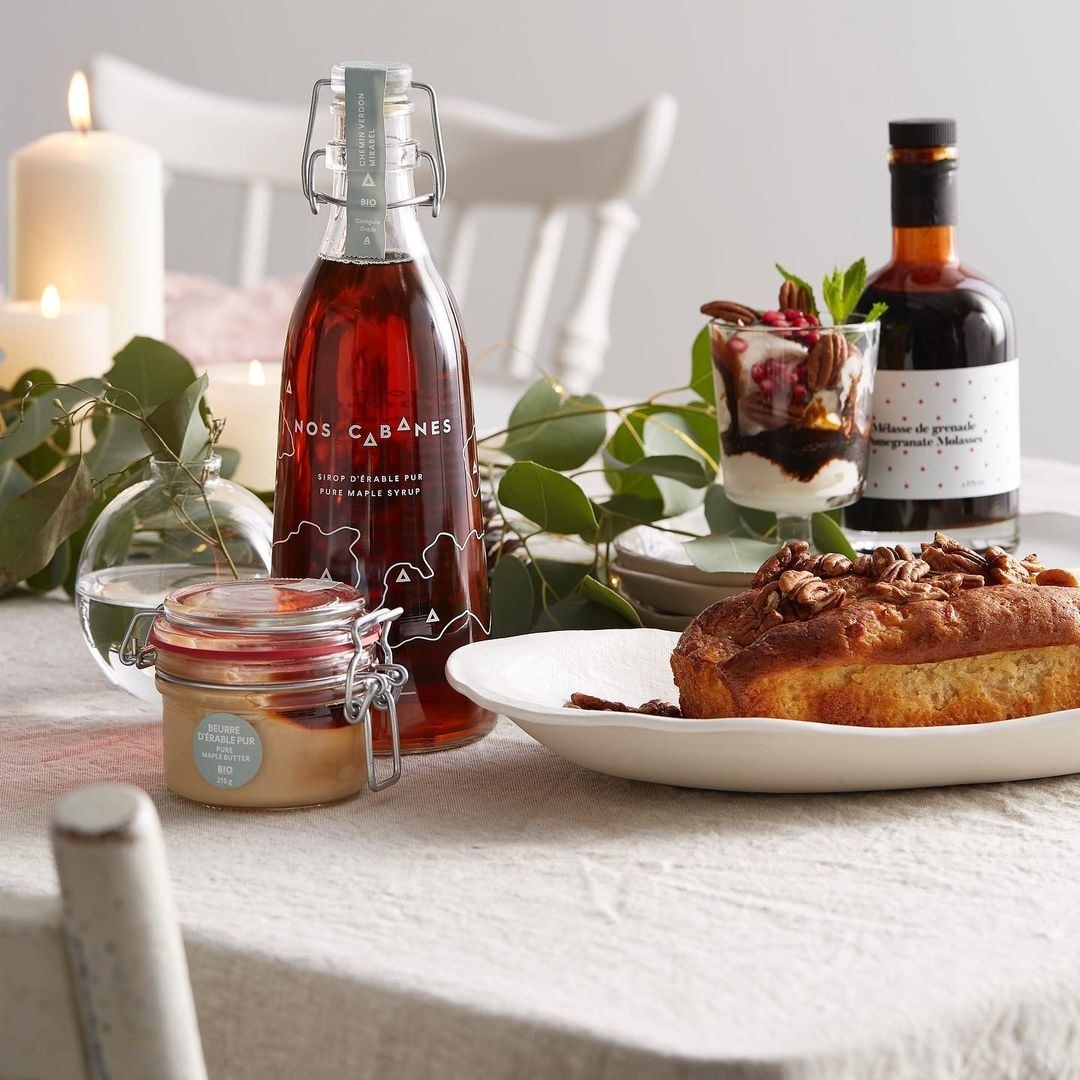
79,102
256,375
50,302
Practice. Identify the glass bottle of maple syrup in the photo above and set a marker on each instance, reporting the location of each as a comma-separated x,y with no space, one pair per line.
945,442
377,478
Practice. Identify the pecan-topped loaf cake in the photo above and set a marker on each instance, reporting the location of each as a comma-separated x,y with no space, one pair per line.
894,639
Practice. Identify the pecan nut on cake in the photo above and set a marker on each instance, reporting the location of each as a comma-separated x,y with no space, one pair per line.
894,639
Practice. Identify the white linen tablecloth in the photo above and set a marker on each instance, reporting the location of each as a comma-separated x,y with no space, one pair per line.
503,913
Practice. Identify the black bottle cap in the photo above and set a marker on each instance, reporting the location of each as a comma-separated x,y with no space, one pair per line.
921,134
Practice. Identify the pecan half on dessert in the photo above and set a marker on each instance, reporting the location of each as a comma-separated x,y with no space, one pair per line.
825,362
794,297
730,311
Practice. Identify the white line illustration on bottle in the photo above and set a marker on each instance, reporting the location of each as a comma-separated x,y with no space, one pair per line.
358,576
404,571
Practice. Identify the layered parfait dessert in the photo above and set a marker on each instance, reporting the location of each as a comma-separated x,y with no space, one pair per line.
793,403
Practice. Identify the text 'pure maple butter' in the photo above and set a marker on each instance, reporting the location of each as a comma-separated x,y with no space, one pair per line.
377,480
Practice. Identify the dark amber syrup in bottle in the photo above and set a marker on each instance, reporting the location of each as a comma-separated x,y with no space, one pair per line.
939,317
377,480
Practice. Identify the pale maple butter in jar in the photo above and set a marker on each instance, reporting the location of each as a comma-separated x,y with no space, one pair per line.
267,687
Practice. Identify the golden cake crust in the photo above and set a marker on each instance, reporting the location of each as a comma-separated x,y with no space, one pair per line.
889,641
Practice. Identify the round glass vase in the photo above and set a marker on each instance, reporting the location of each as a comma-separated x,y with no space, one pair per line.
183,525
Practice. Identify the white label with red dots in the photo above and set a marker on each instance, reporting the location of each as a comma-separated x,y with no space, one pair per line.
946,434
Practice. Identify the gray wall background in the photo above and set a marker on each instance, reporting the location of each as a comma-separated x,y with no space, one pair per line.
779,153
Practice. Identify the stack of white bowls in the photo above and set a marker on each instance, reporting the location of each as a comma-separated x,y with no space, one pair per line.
652,571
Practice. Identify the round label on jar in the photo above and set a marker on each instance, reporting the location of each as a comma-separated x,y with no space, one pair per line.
227,749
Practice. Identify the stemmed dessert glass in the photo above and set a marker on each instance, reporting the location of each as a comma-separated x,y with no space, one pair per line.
793,407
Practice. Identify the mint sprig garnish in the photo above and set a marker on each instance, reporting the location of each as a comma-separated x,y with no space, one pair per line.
841,290
800,284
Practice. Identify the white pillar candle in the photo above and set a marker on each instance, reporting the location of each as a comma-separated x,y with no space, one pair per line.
69,339
87,215
246,397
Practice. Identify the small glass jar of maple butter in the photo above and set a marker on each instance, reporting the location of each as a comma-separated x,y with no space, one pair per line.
266,689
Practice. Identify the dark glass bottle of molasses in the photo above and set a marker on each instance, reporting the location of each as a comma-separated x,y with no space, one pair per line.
377,479
945,443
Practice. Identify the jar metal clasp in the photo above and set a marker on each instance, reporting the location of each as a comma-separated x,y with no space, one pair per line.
134,652
376,686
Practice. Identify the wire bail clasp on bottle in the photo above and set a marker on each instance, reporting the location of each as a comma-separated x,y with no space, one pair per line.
437,161
378,686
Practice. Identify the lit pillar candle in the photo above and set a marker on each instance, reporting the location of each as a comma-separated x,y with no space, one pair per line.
87,215
245,396
70,340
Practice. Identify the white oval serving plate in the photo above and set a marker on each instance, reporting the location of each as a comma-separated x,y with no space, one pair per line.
530,678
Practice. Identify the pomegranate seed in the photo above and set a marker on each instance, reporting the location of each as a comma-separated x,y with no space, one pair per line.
757,373
799,394
766,386
792,377
737,344
811,338
791,313
813,320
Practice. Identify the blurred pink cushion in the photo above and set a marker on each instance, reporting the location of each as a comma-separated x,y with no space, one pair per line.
212,323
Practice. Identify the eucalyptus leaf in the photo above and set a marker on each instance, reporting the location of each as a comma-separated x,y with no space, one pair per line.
828,536
721,514
553,429
35,382
622,512
736,554
77,540
44,458
598,593
32,422
14,480
176,427
52,577
118,444
575,612
513,598
551,500
33,525
658,431
151,371
230,459
702,381
691,471
553,579
724,516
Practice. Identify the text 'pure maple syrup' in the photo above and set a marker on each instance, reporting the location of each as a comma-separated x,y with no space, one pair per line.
377,482
945,440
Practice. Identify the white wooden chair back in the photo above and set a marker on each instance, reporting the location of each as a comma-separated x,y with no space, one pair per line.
496,158
207,136
503,159
95,984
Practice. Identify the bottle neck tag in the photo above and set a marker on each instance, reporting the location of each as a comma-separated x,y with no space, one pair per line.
365,159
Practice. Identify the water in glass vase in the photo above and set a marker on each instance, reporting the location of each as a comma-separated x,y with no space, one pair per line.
109,599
